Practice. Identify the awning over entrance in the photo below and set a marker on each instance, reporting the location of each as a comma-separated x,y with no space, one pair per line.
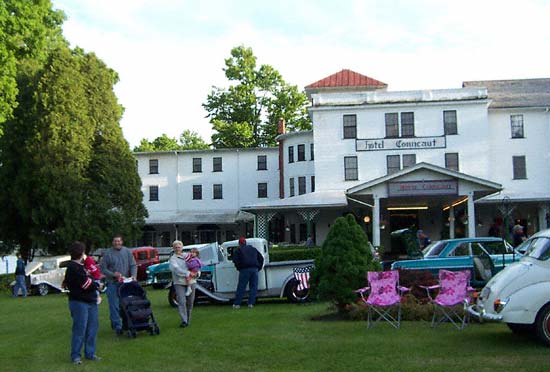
419,185
317,199
199,217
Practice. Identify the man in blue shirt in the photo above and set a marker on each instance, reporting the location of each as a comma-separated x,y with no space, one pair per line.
20,278
248,262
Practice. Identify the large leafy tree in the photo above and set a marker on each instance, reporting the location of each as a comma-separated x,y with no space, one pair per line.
247,112
189,140
28,30
67,173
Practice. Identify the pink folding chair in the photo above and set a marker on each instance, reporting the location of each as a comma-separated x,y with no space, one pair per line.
385,295
453,291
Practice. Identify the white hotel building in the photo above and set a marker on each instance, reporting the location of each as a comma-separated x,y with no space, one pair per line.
449,161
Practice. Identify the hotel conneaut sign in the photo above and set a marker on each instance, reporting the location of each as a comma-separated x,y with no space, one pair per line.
417,188
411,143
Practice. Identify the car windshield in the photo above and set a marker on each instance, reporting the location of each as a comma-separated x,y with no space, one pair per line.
539,248
434,249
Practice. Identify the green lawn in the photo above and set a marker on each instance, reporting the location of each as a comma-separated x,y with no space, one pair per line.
272,337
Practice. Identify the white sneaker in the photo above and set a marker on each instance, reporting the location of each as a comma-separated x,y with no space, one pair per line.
236,306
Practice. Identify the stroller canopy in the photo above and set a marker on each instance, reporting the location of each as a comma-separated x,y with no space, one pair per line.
131,289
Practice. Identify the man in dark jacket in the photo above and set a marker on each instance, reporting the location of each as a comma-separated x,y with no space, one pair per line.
20,278
248,262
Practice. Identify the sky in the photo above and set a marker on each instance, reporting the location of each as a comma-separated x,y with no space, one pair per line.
170,53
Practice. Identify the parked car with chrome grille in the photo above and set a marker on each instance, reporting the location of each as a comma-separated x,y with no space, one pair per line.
520,294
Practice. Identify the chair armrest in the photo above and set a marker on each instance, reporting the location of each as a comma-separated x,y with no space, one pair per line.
430,287
403,289
362,290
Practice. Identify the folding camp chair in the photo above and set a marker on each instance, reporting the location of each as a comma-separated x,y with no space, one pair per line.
453,291
385,295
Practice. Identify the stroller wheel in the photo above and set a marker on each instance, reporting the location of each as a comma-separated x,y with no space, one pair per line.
157,330
129,334
134,334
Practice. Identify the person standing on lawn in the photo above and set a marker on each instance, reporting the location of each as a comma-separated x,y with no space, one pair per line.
185,290
117,264
82,305
20,278
248,262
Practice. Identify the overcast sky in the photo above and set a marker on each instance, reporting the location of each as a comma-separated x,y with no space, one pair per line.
169,53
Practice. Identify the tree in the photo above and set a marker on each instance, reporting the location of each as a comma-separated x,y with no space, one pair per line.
28,29
343,263
189,140
67,173
257,100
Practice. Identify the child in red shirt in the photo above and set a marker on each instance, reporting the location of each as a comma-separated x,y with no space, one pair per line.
92,268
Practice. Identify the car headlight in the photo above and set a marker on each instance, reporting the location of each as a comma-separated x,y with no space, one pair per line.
500,304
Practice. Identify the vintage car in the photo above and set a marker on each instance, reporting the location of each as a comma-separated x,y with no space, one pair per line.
520,294
145,257
484,257
46,274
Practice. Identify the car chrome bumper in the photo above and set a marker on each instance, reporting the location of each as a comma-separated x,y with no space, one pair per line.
480,313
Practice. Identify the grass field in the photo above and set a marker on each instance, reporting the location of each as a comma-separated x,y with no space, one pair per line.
274,336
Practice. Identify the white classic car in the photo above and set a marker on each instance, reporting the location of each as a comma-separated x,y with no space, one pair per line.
46,274
520,294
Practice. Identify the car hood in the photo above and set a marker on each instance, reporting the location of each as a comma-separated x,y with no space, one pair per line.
510,279
158,267
33,267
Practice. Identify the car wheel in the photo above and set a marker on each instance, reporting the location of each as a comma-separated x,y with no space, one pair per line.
542,324
172,297
43,289
520,329
294,294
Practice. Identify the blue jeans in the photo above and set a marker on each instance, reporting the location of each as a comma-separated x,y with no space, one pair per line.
247,276
20,283
85,326
114,305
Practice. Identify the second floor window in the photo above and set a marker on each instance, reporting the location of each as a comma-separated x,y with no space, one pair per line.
451,161
516,122
393,163
449,122
262,190
262,162
197,192
291,186
197,165
291,154
301,152
519,167
409,160
351,172
153,193
216,164
350,126
301,185
153,166
217,191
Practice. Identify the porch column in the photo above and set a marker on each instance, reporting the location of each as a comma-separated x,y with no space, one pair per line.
262,224
452,223
471,216
376,221
543,211
308,216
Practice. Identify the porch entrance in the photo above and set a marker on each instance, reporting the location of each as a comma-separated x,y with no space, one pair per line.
403,220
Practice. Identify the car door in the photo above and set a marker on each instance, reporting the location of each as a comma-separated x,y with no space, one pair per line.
501,253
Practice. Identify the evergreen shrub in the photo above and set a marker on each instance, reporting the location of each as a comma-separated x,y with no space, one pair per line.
343,263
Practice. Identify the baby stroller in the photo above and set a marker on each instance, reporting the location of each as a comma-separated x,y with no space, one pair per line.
135,310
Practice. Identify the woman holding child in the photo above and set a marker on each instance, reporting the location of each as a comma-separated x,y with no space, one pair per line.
185,269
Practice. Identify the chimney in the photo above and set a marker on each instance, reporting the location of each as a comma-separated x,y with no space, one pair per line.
281,130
